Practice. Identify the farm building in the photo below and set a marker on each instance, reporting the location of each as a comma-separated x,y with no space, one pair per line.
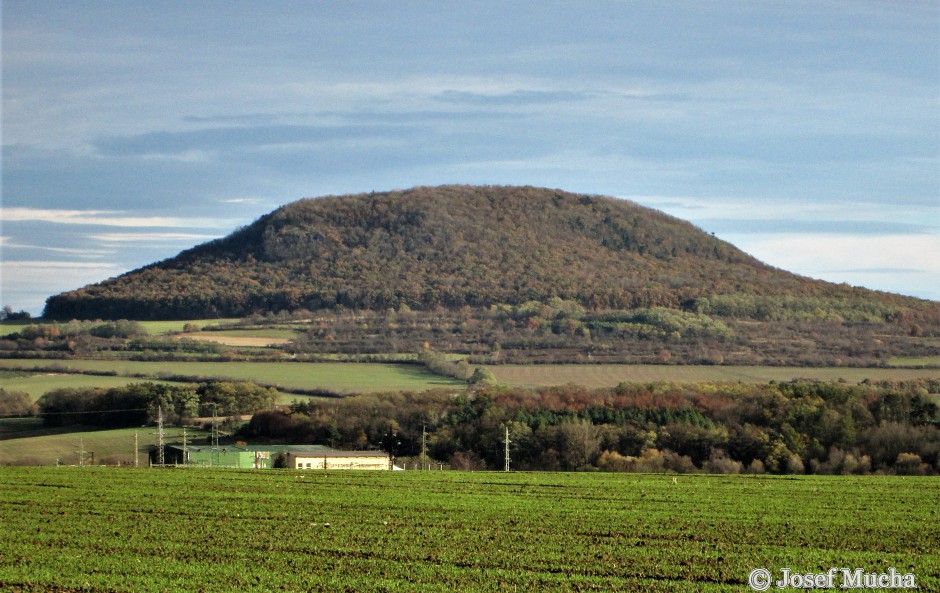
339,460
263,457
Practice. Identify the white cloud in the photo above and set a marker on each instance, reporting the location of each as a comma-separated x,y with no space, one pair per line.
26,284
907,264
76,251
149,237
107,218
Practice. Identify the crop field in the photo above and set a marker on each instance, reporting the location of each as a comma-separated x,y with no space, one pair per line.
233,338
915,361
165,327
37,384
109,529
339,377
608,375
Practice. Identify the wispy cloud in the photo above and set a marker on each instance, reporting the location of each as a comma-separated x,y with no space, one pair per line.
232,138
83,252
113,218
63,265
251,201
149,237
801,226
516,97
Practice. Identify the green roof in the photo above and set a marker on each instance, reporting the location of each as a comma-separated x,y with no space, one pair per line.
255,448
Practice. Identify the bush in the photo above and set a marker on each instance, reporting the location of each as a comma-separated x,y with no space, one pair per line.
16,403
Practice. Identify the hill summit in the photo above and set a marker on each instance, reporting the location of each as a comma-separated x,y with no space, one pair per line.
449,246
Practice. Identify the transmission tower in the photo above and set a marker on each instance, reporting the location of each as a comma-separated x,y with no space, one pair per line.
507,449
215,435
81,452
160,436
424,447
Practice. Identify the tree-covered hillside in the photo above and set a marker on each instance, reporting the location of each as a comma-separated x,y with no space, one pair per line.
457,246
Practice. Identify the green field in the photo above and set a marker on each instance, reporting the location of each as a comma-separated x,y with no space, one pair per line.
109,529
38,384
339,377
165,327
109,446
915,361
608,375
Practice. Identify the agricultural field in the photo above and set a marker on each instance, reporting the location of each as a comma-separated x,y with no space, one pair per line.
246,338
915,361
338,377
608,375
109,529
36,384
158,328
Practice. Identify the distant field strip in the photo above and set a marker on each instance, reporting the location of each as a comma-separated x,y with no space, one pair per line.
333,376
608,375
36,385
164,327
232,339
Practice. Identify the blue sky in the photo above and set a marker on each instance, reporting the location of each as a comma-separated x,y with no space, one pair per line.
806,133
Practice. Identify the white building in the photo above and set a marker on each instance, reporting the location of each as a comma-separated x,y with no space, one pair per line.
338,460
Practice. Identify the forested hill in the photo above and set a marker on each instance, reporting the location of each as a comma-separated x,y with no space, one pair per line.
450,246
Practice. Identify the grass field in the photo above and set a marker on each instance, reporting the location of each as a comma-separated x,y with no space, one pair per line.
110,446
339,377
165,327
38,384
915,361
608,375
109,529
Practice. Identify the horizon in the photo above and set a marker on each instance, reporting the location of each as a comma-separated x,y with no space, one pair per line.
806,135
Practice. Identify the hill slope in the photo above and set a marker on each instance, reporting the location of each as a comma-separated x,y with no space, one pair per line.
447,246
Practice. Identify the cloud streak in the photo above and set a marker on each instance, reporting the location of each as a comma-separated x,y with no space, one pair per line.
104,218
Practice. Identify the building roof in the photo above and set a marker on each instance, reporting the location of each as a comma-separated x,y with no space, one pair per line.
336,453
297,450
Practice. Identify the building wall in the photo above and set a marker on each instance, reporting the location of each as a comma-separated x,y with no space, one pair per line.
305,462
239,459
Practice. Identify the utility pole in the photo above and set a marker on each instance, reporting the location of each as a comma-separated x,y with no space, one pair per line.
507,449
215,436
160,435
81,452
136,451
424,447
185,448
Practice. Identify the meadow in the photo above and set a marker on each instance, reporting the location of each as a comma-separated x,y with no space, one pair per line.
346,377
335,377
109,529
36,384
608,375
53,446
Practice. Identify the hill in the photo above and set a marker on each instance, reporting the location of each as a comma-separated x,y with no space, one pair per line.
457,246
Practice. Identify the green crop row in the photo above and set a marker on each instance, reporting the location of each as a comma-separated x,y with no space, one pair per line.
97,529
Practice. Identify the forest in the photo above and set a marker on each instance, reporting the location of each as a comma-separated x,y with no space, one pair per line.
138,404
456,246
781,428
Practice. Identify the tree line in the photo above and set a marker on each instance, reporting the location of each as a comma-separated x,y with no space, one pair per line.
137,404
780,428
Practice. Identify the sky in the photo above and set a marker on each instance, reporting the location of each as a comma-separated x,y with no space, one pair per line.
805,133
